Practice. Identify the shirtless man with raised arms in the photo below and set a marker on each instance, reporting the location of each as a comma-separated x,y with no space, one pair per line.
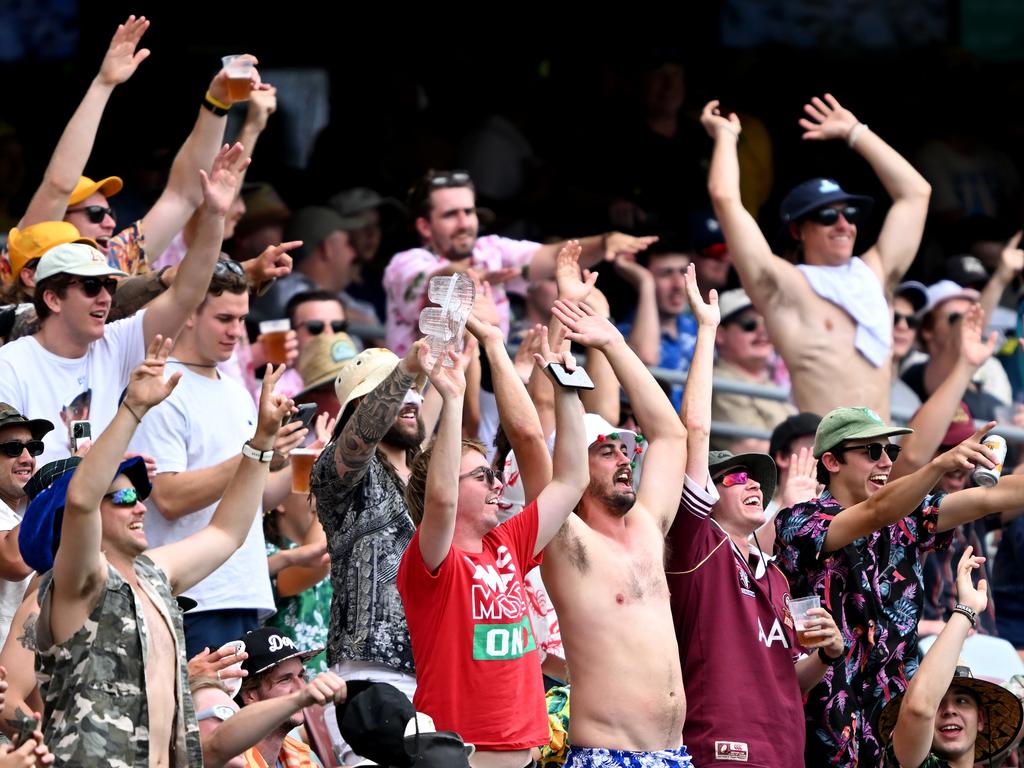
606,576
830,317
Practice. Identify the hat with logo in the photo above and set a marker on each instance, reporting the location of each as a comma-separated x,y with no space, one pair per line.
267,647
842,424
966,270
108,187
731,303
32,242
363,374
814,194
760,466
323,359
75,259
706,236
10,417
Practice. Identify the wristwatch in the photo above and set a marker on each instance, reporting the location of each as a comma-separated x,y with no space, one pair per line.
828,660
251,452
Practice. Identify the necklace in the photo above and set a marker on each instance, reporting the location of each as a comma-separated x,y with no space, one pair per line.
194,365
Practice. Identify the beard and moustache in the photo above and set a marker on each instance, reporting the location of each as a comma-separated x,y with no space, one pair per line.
617,502
400,436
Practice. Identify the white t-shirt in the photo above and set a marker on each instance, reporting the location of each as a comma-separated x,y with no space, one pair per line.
202,423
11,592
43,385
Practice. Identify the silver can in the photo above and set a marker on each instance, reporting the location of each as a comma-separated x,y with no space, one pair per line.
984,476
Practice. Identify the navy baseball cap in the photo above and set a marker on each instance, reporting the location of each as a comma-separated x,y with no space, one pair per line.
39,534
814,194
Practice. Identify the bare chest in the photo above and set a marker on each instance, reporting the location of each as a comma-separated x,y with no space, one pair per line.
629,572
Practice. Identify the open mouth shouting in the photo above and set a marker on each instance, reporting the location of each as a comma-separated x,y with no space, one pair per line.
624,478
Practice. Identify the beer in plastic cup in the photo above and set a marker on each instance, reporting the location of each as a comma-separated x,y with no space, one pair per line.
302,460
239,71
273,334
802,623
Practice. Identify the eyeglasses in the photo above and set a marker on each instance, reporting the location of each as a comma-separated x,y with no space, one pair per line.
124,497
911,320
91,286
874,450
749,324
95,213
13,448
485,473
448,179
734,478
829,216
228,265
316,327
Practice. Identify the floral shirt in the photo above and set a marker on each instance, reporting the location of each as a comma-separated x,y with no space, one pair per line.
304,617
873,587
932,761
127,250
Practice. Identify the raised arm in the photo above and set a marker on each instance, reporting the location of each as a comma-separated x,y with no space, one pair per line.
665,447
645,335
760,270
604,399
901,232
166,314
696,408
1005,498
441,499
50,200
915,727
189,561
1011,262
899,498
593,250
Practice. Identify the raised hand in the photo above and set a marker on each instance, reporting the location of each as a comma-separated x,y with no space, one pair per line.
974,597
713,121
567,273
529,344
828,119
585,326
323,428
122,58
217,663
221,185
323,689
484,320
635,274
1011,259
219,84
557,355
802,483
272,263
147,386
969,454
273,410
973,349
450,383
262,104
619,244
706,312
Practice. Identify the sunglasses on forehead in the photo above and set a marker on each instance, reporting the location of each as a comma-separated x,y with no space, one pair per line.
875,450
449,179
485,473
227,265
91,286
829,216
124,497
13,448
316,327
95,213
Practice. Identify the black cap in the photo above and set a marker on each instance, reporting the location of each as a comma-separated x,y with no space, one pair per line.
438,749
372,720
814,194
267,647
966,271
800,425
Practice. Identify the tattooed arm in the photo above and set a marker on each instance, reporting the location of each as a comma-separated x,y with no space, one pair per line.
372,419
18,658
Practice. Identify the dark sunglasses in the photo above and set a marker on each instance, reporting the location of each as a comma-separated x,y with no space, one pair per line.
316,327
734,478
911,320
829,216
123,497
749,324
227,265
95,213
449,179
485,473
13,448
874,450
91,286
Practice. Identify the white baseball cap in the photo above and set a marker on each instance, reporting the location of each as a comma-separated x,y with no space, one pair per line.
75,259
733,302
943,291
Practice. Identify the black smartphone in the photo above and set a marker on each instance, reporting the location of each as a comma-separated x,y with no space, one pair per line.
79,432
578,379
305,413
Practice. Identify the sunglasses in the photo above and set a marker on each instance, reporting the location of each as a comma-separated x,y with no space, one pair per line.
449,179
91,286
316,327
733,478
485,473
95,213
875,450
911,320
227,265
13,448
749,324
125,497
829,216
953,317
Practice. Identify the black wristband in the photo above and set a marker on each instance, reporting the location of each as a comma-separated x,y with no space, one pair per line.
828,660
970,613
218,111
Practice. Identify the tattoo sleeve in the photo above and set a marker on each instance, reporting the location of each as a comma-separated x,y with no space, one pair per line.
370,422
28,633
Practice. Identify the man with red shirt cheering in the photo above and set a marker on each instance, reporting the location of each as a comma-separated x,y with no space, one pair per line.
461,578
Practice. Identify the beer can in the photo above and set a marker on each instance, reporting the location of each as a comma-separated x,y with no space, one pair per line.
984,476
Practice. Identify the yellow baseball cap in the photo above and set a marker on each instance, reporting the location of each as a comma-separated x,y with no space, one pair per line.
109,186
32,242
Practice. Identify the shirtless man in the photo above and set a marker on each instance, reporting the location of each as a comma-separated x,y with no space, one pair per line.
605,573
109,631
829,317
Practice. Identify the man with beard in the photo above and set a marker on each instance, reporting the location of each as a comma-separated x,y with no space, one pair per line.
359,484
605,573
444,204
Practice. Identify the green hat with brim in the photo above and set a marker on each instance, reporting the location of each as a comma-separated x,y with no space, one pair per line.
844,424
760,466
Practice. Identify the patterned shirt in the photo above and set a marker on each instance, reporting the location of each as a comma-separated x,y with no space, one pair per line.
932,761
873,587
368,528
304,617
127,250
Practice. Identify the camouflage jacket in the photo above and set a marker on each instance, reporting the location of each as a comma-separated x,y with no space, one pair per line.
94,683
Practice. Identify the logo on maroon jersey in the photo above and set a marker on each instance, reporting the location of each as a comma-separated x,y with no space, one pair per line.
744,581
735,751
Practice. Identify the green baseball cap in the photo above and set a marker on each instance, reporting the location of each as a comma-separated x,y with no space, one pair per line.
761,467
842,424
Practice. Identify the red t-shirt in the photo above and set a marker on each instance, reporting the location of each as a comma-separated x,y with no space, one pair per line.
477,667
737,647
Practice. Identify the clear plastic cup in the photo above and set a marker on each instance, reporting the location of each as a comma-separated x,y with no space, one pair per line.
239,76
803,623
445,325
302,461
274,334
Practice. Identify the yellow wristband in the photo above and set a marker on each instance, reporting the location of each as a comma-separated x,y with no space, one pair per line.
215,102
